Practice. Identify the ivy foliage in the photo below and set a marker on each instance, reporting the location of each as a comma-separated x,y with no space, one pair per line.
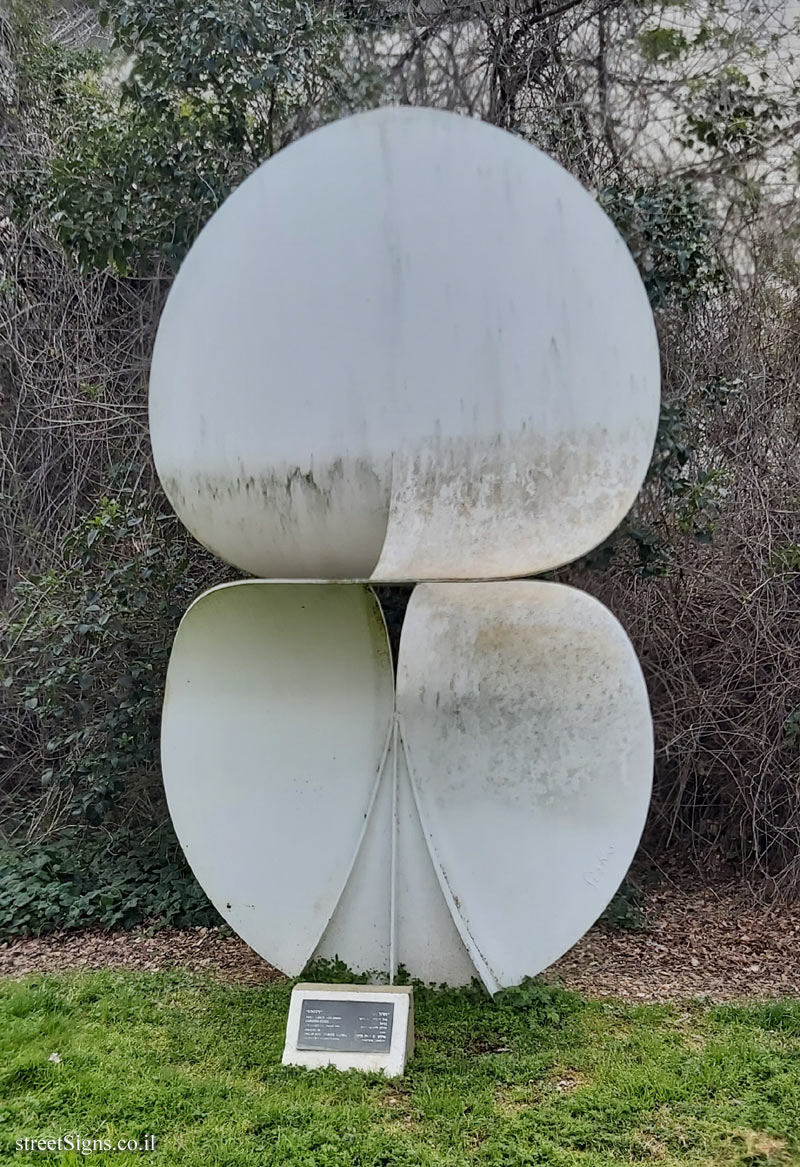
733,112
80,879
669,230
84,661
86,650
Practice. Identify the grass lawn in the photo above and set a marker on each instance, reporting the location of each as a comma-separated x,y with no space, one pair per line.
538,1076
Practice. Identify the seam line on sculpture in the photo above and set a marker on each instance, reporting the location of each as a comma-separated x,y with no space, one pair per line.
393,863
478,959
364,826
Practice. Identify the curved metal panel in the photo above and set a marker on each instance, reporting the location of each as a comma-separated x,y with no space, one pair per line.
427,941
277,716
408,346
527,725
392,913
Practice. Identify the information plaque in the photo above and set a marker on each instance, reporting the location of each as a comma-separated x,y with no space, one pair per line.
354,1027
350,1025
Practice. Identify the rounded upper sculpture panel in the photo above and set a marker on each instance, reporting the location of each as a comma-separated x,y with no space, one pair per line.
409,346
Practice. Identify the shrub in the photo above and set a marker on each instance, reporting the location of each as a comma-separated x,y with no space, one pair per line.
669,230
119,879
85,655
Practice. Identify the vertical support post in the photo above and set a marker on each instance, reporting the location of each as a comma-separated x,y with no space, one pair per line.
393,865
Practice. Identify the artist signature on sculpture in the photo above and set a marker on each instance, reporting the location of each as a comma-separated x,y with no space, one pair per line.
594,876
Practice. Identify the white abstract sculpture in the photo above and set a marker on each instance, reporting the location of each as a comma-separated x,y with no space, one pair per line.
408,347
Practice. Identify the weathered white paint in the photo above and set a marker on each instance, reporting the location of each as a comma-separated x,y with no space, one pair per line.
527,725
480,834
409,346
391,1063
426,939
276,720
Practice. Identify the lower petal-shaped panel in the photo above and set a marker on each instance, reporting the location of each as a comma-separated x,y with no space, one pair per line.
276,724
527,728
392,914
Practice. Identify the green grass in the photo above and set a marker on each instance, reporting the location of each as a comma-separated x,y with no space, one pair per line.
538,1076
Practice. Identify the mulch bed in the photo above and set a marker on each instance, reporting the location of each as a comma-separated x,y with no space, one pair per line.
700,942
708,942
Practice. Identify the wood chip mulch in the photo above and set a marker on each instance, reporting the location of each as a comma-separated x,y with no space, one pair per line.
194,949
707,942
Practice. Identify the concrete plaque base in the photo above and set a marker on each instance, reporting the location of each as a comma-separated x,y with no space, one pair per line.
352,1027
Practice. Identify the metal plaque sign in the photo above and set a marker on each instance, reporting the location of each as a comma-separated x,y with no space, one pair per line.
353,1026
